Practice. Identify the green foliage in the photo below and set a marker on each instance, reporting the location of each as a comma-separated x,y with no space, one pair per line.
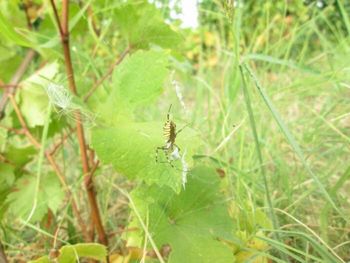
195,223
130,90
21,201
33,96
8,32
72,253
19,156
186,210
131,148
143,25
6,180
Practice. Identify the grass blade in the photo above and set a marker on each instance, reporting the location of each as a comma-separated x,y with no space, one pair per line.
292,140
258,150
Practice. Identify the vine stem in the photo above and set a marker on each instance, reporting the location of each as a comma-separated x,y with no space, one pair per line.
88,181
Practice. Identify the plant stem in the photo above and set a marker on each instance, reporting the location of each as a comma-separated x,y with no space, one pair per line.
64,34
258,150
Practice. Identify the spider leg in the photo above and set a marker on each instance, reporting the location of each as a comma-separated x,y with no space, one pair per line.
163,148
166,153
177,147
167,116
181,129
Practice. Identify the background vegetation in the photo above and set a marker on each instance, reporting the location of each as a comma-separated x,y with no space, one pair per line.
263,171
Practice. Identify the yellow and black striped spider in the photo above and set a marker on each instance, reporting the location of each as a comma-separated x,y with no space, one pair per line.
170,148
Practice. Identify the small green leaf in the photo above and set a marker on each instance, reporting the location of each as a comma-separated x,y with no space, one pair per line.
72,253
191,223
22,199
19,156
131,148
33,96
143,25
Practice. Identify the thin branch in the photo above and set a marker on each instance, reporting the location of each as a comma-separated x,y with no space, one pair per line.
65,17
56,16
3,258
15,80
109,72
57,145
5,86
64,34
93,21
10,129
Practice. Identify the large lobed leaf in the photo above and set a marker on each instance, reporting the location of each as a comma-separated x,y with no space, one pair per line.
193,223
131,146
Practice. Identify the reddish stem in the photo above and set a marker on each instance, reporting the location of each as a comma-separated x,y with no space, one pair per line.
64,34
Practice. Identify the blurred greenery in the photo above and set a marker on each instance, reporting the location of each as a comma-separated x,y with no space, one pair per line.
267,145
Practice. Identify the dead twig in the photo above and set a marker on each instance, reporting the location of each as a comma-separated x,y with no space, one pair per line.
109,72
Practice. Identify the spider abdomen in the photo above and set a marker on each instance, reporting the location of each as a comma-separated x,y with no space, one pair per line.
169,131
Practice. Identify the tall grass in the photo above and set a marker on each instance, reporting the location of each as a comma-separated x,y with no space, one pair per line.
298,132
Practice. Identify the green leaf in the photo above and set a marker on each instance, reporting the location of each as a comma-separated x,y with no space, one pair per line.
143,25
33,96
19,156
131,149
137,81
71,253
8,32
192,223
21,200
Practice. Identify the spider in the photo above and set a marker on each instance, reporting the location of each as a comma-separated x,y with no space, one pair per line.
170,147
